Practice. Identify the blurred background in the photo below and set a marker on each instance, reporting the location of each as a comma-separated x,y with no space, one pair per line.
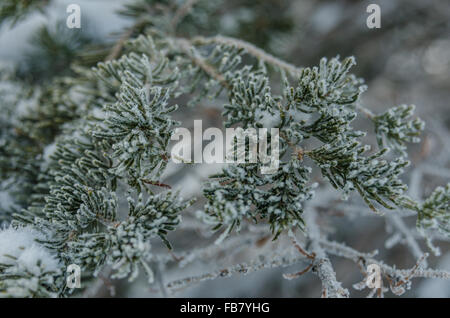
406,61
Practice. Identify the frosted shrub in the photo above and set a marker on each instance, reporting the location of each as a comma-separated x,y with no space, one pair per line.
87,162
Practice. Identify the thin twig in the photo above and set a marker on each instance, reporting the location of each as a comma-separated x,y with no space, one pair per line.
191,52
298,274
182,12
410,241
243,268
250,49
341,250
298,247
322,265
115,52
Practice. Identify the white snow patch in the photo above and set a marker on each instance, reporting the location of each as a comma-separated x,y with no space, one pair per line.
18,247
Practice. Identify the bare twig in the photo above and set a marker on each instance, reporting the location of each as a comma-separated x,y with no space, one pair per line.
410,241
115,52
243,268
182,12
322,265
252,50
191,52
341,250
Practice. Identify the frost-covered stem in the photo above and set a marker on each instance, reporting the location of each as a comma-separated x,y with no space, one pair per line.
117,48
262,263
432,236
341,250
321,264
366,112
360,211
227,248
181,13
410,241
251,49
185,46
95,288
157,269
191,224
298,246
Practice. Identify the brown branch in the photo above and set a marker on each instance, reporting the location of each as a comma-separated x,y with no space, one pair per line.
117,48
181,13
155,183
190,51
252,50
295,275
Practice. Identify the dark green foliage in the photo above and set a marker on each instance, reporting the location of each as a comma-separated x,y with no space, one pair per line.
15,10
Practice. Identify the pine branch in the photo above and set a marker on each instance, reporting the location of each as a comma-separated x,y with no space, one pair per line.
89,143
